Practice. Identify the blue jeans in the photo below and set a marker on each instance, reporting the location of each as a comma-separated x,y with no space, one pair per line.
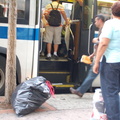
110,85
87,83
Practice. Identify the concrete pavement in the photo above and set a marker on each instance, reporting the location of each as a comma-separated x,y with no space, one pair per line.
62,107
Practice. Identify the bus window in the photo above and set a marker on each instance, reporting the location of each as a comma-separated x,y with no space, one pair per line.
104,8
21,8
68,8
87,14
22,11
3,6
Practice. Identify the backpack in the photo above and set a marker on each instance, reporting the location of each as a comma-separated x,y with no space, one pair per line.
54,18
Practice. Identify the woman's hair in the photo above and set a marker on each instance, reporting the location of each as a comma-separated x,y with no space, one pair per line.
116,9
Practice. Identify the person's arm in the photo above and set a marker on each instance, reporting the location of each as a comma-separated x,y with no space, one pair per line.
46,12
95,40
100,51
94,53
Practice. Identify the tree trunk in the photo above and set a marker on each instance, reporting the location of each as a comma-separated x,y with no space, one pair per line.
10,83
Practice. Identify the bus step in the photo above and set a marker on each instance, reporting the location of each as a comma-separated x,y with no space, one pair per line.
62,85
56,77
59,65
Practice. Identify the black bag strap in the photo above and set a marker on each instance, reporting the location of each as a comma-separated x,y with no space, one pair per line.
57,6
52,6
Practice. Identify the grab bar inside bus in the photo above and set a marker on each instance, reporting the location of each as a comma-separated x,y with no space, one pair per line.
89,35
74,21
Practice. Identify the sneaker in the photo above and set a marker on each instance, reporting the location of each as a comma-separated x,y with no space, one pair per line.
48,58
42,54
73,91
55,57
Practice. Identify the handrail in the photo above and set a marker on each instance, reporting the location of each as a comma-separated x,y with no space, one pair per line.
89,35
41,37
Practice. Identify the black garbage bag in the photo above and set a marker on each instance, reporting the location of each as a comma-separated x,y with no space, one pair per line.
30,95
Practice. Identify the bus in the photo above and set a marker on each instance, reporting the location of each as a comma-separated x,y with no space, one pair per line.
64,72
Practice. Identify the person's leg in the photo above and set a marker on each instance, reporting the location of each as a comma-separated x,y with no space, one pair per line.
110,78
55,48
49,49
44,47
48,39
87,82
42,52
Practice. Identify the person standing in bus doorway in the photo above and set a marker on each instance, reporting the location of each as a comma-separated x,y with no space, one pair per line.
109,48
87,83
53,32
76,14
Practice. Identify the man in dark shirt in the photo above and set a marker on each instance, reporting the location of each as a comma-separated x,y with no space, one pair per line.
76,10
76,14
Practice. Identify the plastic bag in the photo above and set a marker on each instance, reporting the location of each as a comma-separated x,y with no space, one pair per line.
30,95
98,106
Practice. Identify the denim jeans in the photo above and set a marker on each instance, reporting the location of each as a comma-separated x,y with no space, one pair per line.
87,83
110,85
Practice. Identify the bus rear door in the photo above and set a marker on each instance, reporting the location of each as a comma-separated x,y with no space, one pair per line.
85,46
67,72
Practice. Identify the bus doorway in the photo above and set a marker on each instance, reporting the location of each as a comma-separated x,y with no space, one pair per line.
67,71
89,31
58,72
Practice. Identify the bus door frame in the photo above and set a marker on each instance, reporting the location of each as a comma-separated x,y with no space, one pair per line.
85,41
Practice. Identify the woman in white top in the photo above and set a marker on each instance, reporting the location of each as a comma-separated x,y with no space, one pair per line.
109,48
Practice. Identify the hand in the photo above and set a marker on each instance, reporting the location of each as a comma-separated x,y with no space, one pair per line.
91,56
95,40
67,22
96,68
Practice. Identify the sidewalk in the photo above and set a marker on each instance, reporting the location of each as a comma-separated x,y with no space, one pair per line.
62,107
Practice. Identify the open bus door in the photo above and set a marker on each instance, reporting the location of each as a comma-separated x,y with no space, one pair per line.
67,72
56,71
88,31
86,34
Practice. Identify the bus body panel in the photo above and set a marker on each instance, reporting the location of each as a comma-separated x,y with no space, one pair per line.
26,41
